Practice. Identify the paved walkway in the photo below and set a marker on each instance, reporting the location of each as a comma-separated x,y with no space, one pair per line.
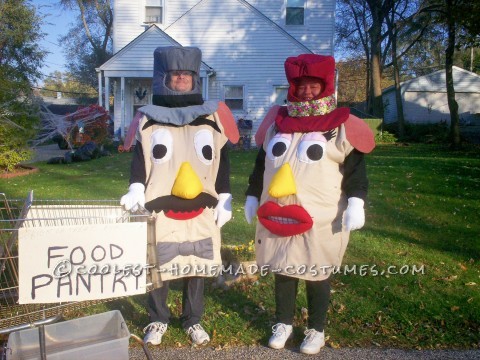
265,353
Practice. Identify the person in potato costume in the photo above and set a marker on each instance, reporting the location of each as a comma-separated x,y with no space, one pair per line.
180,172
310,182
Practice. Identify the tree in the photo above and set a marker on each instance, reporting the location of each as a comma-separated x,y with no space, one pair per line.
406,24
460,19
20,60
363,20
351,82
88,44
379,10
67,85
352,23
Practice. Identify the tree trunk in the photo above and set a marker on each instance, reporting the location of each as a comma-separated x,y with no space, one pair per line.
375,33
396,75
452,103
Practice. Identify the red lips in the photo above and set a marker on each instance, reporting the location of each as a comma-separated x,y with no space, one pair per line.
284,220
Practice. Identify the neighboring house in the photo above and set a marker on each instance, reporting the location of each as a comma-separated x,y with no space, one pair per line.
425,98
244,46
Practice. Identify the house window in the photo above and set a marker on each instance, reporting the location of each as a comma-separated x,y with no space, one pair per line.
295,12
154,11
234,97
280,95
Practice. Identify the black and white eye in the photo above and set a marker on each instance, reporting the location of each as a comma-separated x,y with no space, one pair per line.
312,147
278,146
162,146
203,142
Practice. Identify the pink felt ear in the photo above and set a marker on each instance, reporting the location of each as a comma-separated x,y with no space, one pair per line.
359,134
228,122
268,120
132,130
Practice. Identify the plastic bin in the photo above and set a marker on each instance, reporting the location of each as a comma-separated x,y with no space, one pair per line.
102,336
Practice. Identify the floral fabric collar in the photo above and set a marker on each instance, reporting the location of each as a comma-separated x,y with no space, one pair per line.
314,107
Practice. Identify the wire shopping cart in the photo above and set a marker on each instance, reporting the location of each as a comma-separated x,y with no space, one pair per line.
35,215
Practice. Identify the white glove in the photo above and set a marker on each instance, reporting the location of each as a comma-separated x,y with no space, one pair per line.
251,206
354,215
134,197
223,211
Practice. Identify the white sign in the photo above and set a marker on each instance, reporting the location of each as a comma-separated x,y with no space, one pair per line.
81,262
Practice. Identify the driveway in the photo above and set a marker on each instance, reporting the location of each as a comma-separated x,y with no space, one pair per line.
45,152
327,353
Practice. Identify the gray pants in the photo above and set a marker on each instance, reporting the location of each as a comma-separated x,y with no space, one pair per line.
192,302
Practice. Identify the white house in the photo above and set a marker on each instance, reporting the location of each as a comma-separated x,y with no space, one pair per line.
244,45
425,98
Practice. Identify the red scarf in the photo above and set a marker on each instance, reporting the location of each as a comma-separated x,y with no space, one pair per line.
288,124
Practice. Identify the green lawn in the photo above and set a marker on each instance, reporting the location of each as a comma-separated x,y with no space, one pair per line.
412,274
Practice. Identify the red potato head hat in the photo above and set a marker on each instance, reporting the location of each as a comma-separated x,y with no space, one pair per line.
316,66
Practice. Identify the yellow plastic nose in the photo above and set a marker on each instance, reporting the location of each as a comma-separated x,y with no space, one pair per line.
187,184
283,183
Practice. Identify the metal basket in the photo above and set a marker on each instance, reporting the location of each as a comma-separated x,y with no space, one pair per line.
15,214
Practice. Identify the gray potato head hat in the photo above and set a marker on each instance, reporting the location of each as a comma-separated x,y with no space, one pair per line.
171,58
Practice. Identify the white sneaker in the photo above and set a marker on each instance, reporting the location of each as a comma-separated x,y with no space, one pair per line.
154,332
281,333
198,335
313,342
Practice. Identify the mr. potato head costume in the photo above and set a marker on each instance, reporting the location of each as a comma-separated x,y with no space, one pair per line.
181,165
180,173
309,185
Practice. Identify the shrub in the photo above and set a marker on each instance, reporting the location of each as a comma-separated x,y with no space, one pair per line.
16,128
385,137
11,158
421,133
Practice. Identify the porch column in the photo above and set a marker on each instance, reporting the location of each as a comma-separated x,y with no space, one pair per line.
205,87
122,107
99,76
107,94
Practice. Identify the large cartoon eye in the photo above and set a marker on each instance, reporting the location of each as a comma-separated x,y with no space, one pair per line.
204,146
278,146
312,147
162,146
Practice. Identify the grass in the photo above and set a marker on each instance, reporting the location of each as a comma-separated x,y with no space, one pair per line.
422,215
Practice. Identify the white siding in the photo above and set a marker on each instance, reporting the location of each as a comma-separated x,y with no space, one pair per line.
317,33
138,55
126,23
242,47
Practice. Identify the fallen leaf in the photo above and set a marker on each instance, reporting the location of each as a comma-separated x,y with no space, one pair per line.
455,308
304,314
450,278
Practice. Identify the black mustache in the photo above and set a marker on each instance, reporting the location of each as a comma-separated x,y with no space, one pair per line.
174,203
